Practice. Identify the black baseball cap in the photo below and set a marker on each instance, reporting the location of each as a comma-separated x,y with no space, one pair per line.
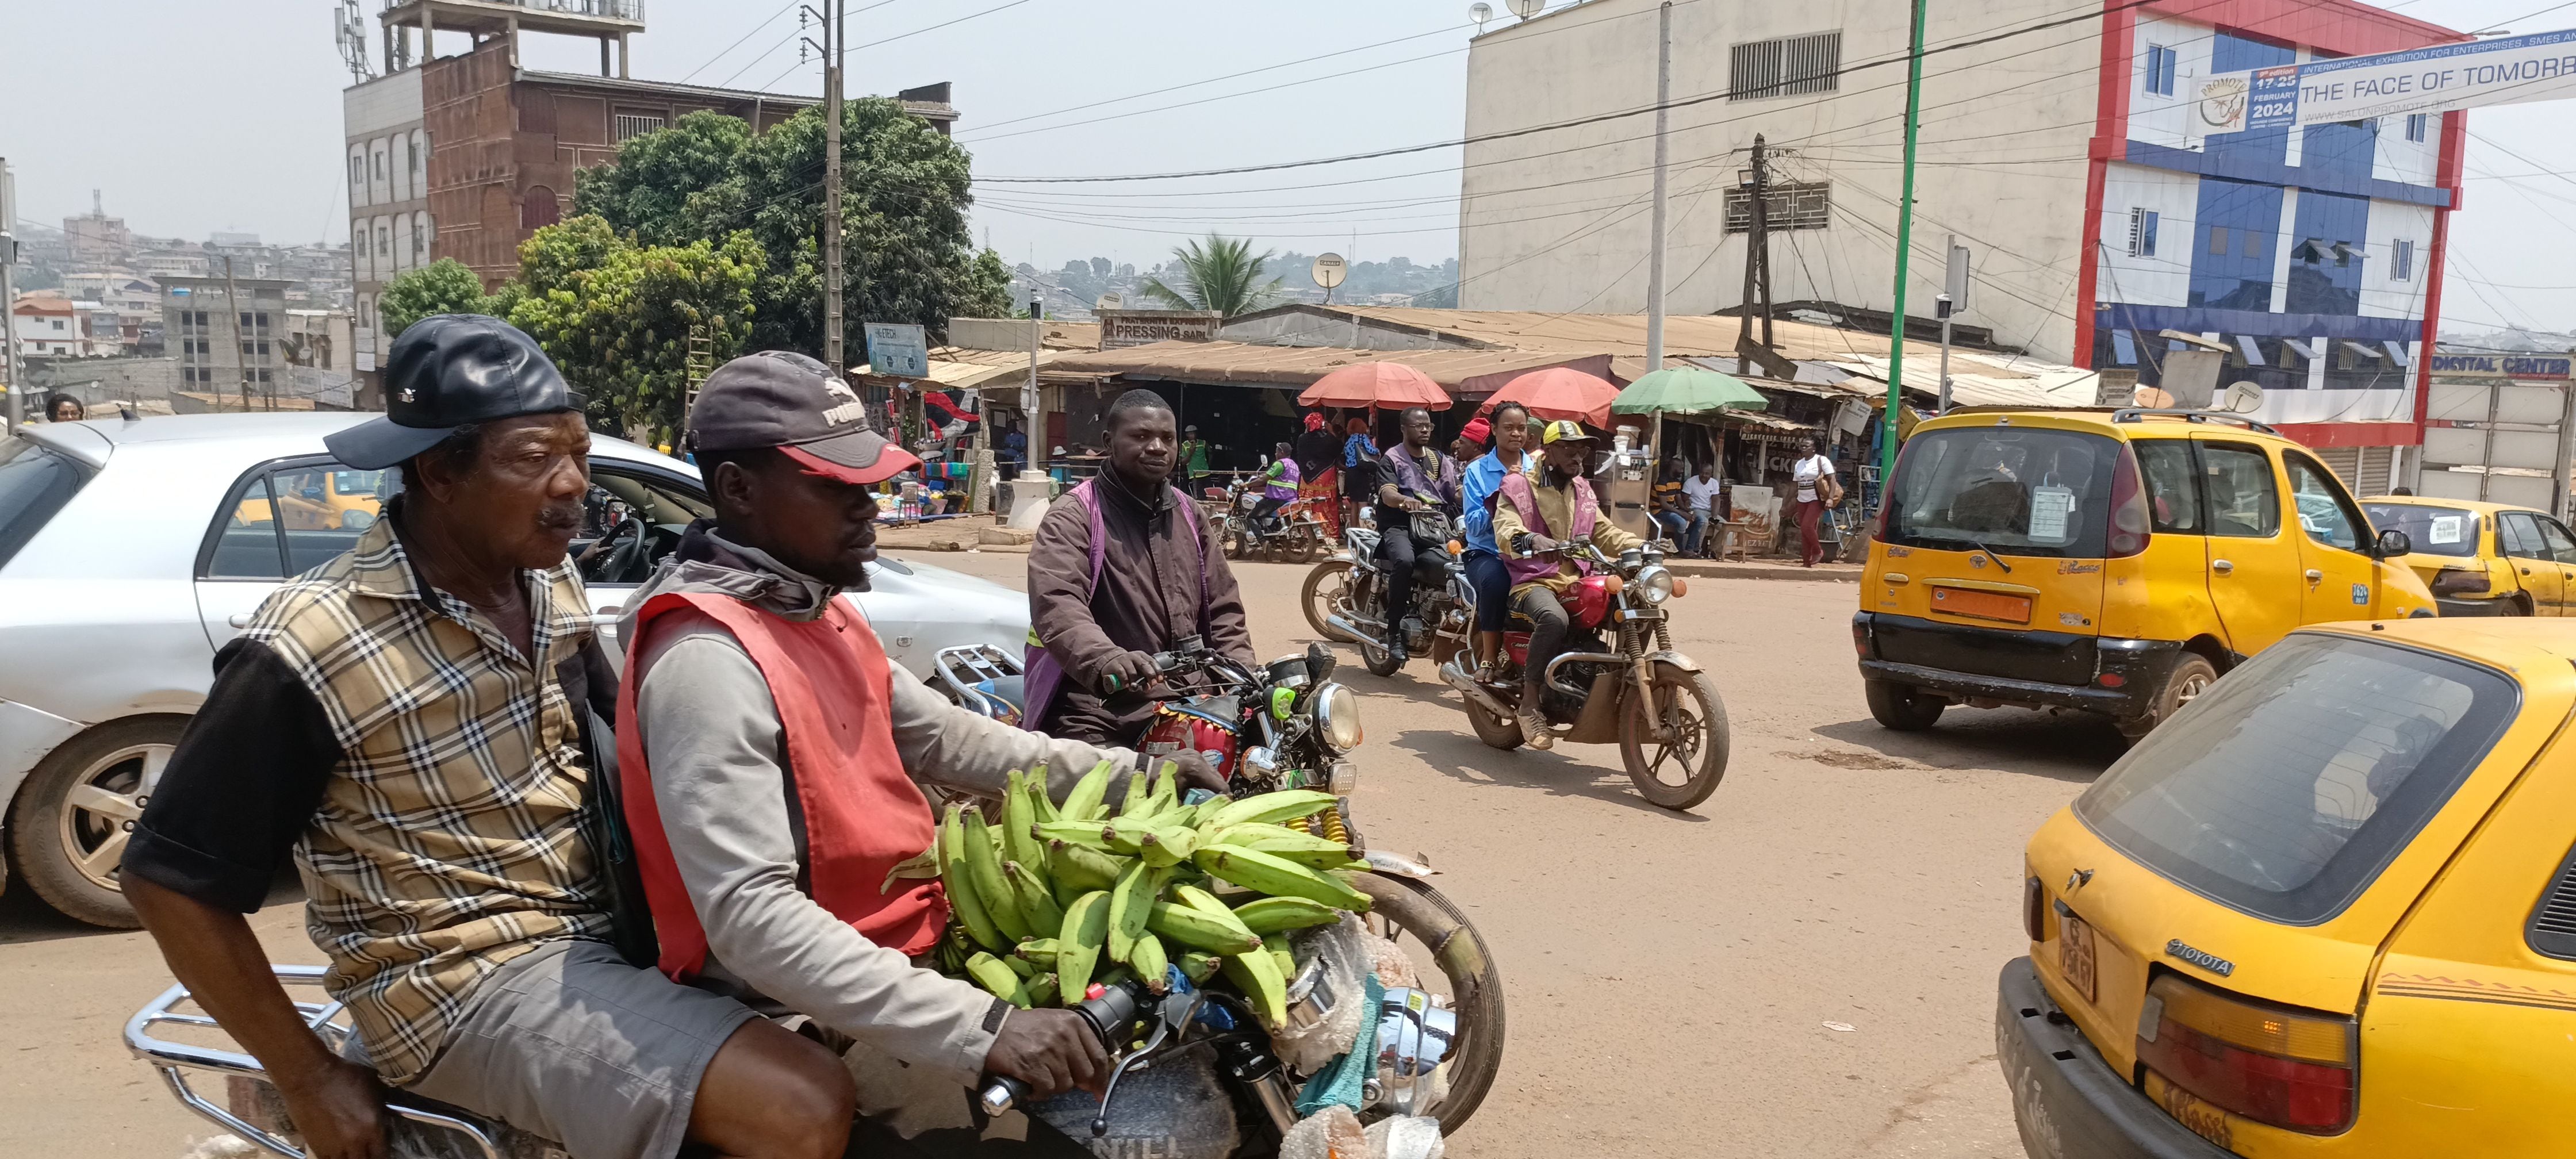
782,399
448,371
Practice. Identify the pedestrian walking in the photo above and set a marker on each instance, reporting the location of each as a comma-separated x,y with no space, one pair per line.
1817,490
1319,462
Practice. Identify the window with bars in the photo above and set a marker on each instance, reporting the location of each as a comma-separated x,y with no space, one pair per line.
1789,66
2142,233
2401,260
638,124
1785,205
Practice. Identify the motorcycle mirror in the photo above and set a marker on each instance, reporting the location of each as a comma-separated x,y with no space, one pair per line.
1319,662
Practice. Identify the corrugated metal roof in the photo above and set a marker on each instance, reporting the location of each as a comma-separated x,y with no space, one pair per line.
1238,362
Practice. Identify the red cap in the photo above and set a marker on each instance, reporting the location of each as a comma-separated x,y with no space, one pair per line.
889,462
1476,430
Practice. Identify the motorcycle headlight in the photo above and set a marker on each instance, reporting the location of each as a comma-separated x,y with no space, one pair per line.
1653,585
1337,717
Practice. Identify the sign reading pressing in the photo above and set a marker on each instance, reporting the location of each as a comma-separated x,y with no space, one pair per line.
897,350
2503,71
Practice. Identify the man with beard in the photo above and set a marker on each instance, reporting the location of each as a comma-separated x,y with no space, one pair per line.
410,719
1123,567
1529,524
774,758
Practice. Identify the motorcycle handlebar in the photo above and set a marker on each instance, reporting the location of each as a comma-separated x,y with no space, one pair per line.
1108,1015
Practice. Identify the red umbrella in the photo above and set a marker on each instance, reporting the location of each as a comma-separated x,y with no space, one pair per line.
1559,393
1376,384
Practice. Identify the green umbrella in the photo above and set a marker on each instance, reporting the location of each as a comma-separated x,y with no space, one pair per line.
1686,390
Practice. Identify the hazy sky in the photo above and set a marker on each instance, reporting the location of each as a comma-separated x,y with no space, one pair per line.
200,116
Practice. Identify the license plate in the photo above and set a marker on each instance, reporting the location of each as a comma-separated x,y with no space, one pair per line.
1981,605
2196,1114
2075,954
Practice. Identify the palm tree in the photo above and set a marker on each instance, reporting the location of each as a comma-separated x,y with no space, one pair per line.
1222,275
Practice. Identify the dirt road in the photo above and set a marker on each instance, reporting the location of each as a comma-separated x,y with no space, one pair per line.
1677,982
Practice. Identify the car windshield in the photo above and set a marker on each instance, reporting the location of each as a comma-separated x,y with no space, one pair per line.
2431,530
2289,786
2013,490
34,484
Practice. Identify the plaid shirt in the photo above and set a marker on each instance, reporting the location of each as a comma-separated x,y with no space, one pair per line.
447,841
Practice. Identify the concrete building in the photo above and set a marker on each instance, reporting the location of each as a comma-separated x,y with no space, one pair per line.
320,339
228,340
464,155
48,326
97,239
2058,152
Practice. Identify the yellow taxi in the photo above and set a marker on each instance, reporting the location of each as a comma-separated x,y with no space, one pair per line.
2113,561
2330,912
319,499
2484,559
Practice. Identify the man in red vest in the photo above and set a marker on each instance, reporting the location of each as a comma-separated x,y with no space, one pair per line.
773,763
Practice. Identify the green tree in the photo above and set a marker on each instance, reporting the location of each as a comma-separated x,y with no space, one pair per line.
616,315
444,286
987,292
1223,275
906,247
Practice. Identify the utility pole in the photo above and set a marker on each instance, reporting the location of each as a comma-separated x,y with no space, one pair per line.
9,325
241,339
1655,243
835,34
1757,251
1904,239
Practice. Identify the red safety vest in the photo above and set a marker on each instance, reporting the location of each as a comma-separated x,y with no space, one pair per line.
863,814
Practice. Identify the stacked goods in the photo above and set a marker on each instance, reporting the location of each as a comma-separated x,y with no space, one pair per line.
1056,898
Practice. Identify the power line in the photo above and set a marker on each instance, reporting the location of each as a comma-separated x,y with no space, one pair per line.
746,35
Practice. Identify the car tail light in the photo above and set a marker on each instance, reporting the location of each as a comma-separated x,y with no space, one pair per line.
2460,581
2130,525
2289,1068
2034,910
1860,635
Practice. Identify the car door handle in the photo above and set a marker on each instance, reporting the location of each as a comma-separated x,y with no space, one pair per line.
2315,576
2222,567
605,617
238,619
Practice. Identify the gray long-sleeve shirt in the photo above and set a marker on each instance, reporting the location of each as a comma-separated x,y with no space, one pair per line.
715,746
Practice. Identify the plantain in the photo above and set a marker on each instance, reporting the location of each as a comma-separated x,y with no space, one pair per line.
1256,973
988,972
1198,965
1133,803
1080,869
1150,963
1200,899
1271,915
1166,794
1277,945
1037,904
1041,807
1083,802
1019,843
1269,874
1173,844
1129,905
1201,930
984,872
1283,805
1042,990
1127,835
962,898
1084,834
1078,944
1023,967
1039,950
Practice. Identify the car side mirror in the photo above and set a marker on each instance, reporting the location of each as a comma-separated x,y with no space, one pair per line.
2393,542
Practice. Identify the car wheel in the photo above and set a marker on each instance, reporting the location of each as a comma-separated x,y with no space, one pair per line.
70,823
1902,707
2191,676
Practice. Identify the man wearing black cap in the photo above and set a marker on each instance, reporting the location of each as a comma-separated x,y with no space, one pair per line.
410,721
775,762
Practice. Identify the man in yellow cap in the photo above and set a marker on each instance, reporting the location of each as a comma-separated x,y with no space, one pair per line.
1530,524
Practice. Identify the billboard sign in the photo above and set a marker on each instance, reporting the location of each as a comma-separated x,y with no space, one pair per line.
2505,365
897,350
2502,71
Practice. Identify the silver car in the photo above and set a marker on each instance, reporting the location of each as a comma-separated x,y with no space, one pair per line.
131,550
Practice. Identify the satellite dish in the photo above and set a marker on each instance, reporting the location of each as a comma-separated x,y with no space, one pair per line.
2242,398
1480,13
1526,8
1330,269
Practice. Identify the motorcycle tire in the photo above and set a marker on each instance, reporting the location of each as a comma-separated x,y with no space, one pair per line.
1500,732
1403,905
1327,587
1380,661
1700,757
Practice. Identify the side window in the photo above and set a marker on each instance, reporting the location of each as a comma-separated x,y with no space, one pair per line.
246,545
2518,537
2562,546
2323,512
2173,500
630,523
2237,486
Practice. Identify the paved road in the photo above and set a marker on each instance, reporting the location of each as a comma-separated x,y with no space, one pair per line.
1671,977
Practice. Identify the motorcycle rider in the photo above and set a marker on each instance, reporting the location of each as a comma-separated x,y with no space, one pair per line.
1123,567
771,753
1478,484
1529,523
1279,482
1412,477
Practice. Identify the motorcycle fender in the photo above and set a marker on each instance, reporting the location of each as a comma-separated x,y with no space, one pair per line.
1381,861
1598,723
1675,659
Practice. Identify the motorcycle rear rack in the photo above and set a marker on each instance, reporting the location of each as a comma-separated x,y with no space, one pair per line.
176,1059
964,666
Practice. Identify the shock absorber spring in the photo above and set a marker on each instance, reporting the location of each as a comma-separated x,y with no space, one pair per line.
1332,826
